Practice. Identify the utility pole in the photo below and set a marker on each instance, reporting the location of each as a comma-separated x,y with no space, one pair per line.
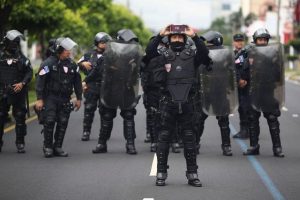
278,20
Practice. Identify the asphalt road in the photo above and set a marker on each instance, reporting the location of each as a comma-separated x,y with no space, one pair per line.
117,175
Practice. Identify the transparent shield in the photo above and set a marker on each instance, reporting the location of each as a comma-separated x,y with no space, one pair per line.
120,84
218,87
266,77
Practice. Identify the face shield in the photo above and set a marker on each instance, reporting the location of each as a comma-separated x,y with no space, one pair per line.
69,45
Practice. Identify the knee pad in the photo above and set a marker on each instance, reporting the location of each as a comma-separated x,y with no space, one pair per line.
20,115
108,116
271,117
164,136
188,136
128,114
90,107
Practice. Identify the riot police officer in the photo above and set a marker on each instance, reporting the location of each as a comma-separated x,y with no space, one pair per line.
240,54
266,63
56,79
92,94
177,74
119,69
214,95
15,74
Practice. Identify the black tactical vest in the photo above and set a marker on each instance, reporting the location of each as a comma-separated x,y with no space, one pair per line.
62,77
11,69
181,75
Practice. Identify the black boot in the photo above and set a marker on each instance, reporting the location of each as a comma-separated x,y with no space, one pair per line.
130,147
193,179
254,132
161,178
227,150
48,152
100,148
129,134
59,152
275,131
20,144
225,135
153,147
277,152
20,137
252,151
86,136
175,147
162,153
59,139
48,141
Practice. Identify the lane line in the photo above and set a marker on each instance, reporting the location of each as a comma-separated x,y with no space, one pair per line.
154,166
148,198
259,169
13,126
295,115
285,108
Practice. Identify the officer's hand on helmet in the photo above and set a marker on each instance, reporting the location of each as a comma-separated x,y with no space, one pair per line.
77,104
242,83
18,87
165,31
87,65
39,104
189,31
84,86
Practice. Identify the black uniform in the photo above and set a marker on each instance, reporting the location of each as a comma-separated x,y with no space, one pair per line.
54,85
177,74
244,101
14,68
92,95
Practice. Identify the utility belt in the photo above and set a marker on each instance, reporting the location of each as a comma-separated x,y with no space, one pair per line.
7,89
59,94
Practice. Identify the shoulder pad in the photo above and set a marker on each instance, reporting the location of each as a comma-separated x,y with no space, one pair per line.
169,54
187,53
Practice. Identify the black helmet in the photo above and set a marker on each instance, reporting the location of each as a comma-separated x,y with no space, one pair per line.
101,37
213,37
261,33
12,40
127,35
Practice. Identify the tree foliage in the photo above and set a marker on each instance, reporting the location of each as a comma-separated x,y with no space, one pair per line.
80,20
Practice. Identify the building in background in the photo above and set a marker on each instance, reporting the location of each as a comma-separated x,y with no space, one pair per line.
223,8
267,16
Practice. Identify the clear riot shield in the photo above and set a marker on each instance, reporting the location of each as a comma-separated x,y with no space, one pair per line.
120,83
218,87
266,77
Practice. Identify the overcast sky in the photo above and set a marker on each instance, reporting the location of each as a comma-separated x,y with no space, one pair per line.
156,14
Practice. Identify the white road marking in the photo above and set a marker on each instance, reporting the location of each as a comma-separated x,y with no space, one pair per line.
295,115
148,198
154,166
231,115
284,108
